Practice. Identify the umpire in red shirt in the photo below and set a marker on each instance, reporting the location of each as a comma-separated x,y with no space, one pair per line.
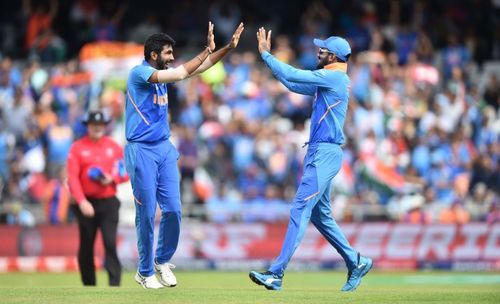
95,168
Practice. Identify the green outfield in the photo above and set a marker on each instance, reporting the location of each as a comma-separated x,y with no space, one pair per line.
235,287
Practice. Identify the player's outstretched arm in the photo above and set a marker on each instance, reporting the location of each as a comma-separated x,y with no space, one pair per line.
281,70
264,40
219,54
187,69
194,63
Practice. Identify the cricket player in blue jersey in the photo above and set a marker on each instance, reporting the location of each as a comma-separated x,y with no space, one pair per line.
151,159
329,84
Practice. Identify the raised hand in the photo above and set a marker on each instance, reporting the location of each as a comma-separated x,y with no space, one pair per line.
236,36
210,37
264,40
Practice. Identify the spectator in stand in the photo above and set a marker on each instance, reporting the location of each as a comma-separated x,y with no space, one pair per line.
7,88
191,113
7,66
224,205
226,14
84,10
424,48
108,23
7,142
307,52
95,168
39,19
492,92
58,142
283,50
454,55
147,27
494,213
406,43
441,176
455,214
82,16
43,114
56,200
317,13
421,157
483,172
478,204
20,110
416,213
188,162
48,46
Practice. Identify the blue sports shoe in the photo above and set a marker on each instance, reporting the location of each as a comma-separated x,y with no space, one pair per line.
354,275
270,280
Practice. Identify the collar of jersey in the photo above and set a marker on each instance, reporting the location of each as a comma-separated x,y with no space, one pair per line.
144,62
87,137
337,66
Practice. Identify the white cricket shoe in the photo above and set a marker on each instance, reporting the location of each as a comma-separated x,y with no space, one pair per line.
165,275
148,282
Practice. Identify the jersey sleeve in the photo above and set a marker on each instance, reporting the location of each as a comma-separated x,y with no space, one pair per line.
318,78
73,167
300,88
141,73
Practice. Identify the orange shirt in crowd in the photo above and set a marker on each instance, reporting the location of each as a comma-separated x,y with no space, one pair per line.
45,119
454,215
37,23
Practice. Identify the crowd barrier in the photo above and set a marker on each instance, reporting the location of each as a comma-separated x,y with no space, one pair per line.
474,246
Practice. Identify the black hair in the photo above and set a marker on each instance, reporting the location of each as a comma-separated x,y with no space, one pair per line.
155,43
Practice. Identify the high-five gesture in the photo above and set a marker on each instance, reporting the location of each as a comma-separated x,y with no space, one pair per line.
214,57
329,84
236,36
264,40
210,37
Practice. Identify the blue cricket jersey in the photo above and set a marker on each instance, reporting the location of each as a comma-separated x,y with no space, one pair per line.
329,85
146,107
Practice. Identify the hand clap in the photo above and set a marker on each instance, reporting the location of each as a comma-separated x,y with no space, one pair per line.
236,36
210,37
264,40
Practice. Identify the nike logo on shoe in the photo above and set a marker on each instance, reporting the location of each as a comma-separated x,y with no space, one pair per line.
354,276
270,280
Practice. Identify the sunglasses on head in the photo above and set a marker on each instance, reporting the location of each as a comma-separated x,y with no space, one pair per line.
322,51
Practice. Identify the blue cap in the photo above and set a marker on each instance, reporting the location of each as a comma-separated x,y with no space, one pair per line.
95,173
335,44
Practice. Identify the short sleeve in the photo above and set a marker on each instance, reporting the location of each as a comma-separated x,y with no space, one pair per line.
141,73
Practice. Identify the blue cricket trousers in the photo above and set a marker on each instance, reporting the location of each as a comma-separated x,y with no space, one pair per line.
154,175
312,202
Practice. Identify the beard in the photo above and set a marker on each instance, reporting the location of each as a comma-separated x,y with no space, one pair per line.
322,62
161,64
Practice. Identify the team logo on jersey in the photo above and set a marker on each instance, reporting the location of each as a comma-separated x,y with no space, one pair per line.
161,100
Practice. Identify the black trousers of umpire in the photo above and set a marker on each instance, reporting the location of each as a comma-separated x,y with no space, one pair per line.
105,219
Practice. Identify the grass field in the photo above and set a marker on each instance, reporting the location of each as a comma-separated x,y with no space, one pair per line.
235,287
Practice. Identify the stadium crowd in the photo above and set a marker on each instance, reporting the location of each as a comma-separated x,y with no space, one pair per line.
423,130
